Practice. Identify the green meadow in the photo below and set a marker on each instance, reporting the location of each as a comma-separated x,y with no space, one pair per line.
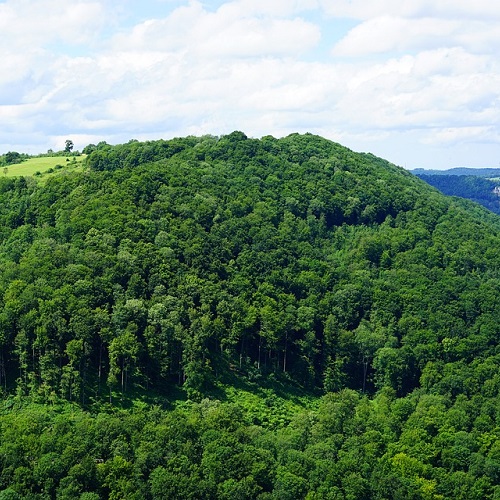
43,165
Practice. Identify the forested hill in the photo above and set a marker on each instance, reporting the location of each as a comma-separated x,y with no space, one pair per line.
478,189
173,261
197,264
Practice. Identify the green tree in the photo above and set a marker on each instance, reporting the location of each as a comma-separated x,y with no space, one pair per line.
12,157
123,352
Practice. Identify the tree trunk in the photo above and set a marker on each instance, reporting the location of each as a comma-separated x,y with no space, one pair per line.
365,370
123,373
284,353
260,346
99,371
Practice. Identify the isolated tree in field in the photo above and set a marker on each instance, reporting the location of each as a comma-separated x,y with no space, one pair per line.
69,146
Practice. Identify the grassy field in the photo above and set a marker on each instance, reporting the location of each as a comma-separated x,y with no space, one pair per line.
46,165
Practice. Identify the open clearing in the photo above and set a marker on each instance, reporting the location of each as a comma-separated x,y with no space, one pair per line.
41,165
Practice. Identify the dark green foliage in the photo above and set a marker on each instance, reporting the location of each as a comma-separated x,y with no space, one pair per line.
421,446
201,256
197,263
90,148
472,187
12,157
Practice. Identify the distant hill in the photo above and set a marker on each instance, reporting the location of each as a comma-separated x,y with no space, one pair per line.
478,172
479,189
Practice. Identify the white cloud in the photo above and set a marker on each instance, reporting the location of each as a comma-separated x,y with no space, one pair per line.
232,31
26,24
450,9
276,8
32,35
424,91
360,9
387,33
469,134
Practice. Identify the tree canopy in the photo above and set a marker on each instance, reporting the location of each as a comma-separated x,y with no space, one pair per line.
236,272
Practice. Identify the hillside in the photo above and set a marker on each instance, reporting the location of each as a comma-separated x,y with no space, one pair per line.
476,188
330,318
14,164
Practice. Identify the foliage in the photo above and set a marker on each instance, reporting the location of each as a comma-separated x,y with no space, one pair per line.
200,263
420,446
472,187
12,158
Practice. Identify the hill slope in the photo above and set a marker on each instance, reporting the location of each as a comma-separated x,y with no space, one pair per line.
203,262
478,189
275,254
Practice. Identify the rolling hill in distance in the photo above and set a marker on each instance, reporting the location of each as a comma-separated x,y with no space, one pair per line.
481,185
227,317
479,172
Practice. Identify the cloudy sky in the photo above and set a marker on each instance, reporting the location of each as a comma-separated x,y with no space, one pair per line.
416,82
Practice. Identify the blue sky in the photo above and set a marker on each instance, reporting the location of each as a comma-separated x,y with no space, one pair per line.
417,83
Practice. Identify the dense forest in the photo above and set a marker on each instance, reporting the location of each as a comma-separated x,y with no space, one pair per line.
473,187
236,318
